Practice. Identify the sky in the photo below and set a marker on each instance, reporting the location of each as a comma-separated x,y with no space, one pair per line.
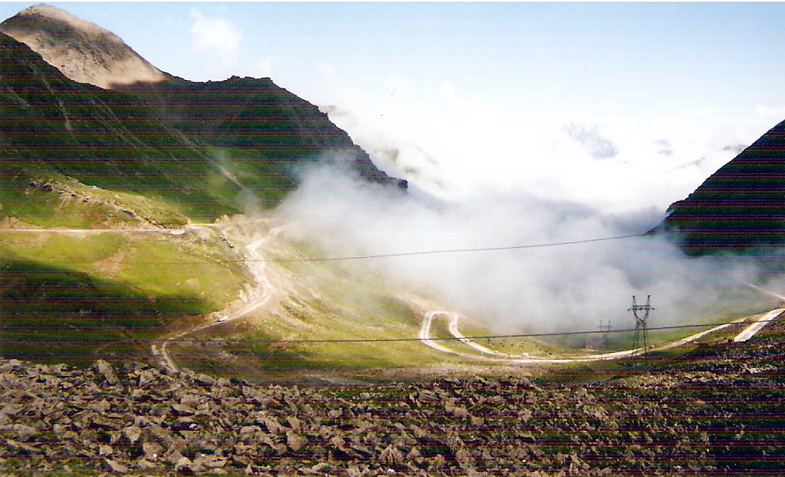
619,105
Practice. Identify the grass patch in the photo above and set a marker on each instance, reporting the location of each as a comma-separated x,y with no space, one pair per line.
77,297
55,314
321,301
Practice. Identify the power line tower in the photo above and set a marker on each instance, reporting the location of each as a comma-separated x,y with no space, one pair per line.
605,330
641,330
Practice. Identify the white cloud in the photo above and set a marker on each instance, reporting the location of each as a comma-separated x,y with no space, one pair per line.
472,142
215,36
544,289
589,137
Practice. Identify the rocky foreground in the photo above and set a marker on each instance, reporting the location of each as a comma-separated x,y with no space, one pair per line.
717,411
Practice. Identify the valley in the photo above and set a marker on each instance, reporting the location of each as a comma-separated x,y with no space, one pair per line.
212,277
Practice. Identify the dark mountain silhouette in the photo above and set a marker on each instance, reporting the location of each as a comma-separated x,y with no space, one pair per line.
741,207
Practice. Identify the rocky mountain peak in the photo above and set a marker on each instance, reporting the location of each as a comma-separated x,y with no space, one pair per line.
81,50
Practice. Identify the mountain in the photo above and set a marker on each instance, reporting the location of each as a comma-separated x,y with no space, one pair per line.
51,125
741,207
83,51
78,101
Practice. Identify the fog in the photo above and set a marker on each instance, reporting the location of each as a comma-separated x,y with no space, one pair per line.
553,288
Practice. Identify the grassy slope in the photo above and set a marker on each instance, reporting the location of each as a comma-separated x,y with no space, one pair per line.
76,156
319,301
115,286
340,301
72,155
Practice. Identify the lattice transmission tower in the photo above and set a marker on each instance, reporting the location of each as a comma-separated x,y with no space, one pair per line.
605,329
641,313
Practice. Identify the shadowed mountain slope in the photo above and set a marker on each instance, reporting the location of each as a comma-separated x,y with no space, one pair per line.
740,207
258,119
51,124
256,134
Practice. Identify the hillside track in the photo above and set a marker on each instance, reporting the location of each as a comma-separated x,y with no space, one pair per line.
261,296
758,325
453,317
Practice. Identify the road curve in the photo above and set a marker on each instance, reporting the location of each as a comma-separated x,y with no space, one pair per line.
753,329
262,294
424,336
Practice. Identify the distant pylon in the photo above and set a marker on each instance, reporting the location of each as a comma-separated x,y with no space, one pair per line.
641,330
605,330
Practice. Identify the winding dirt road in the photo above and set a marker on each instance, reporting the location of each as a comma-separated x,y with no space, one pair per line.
425,337
261,297
263,293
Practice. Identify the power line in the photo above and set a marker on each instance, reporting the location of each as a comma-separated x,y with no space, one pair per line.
396,340
405,254
391,255
454,250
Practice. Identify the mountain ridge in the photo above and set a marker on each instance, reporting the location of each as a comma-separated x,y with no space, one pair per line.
83,51
219,145
739,208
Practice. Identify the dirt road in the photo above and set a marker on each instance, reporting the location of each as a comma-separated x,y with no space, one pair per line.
260,298
425,337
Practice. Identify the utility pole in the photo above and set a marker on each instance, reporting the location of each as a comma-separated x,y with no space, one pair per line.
641,313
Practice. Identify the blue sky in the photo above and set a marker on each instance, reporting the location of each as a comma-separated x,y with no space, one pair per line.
510,95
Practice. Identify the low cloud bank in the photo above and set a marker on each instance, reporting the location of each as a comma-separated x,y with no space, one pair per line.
568,287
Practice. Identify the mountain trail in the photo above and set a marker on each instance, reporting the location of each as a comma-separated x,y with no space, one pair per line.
525,358
260,297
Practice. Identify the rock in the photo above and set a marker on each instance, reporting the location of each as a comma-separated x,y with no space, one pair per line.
174,456
294,423
100,406
321,468
338,442
272,425
105,369
205,380
183,409
392,456
250,430
132,433
184,424
213,462
146,377
185,466
144,464
152,450
24,433
115,467
21,447
295,441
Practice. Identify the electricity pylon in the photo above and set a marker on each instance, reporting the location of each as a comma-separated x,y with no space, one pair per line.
641,330
605,330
